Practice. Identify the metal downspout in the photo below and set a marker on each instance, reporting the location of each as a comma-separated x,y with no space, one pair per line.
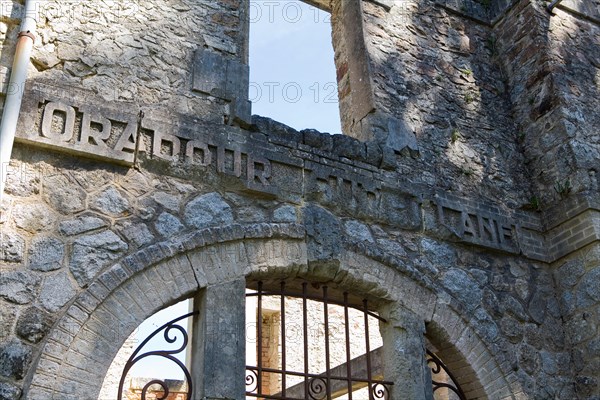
16,87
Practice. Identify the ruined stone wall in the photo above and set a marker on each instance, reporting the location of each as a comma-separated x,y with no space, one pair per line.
134,51
436,71
439,227
551,64
577,278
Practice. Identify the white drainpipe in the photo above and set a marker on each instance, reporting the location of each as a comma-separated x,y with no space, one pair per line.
16,87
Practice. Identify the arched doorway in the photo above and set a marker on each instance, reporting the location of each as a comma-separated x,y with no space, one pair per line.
83,344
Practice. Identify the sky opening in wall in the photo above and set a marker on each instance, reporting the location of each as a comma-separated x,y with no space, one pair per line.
292,68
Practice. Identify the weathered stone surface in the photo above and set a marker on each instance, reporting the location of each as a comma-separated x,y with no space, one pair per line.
46,254
537,307
12,246
112,202
22,182
392,247
358,231
93,252
168,201
590,285
168,225
208,210
18,286
285,214
463,287
9,391
512,329
33,324
15,358
569,273
322,228
440,252
56,291
529,358
33,217
63,195
456,108
582,326
136,233
81,224
8,314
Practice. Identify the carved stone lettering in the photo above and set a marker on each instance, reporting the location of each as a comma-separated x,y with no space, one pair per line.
101,133
195,146
336,188
65,133
223,156
166,146
479,228
468,227
92,136
259,169
127,140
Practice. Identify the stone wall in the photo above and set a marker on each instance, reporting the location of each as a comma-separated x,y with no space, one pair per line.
437,73
441,207
134,51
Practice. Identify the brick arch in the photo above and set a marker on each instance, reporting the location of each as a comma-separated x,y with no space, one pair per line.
93,328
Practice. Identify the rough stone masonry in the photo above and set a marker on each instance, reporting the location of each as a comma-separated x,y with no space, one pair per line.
464,194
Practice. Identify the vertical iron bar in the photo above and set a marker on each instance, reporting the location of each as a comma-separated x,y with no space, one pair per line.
348,355
283,363
259,338
368,348
327,364
305,333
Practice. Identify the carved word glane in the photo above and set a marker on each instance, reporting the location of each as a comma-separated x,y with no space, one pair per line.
479,228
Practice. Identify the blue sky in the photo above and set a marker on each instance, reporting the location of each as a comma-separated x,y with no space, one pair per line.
292,71
292,75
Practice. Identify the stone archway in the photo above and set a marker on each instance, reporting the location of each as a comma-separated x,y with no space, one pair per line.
81,346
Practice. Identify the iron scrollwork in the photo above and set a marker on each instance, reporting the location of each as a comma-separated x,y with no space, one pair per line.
251,380
438,366
171,330
380,391
317,388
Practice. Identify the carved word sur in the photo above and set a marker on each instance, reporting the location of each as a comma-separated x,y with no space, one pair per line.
335,186
479,227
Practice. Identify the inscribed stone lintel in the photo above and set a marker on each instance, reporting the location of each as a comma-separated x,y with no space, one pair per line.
479,227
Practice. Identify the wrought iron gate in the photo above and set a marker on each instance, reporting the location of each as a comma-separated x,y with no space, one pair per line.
328,384
171,330
310,385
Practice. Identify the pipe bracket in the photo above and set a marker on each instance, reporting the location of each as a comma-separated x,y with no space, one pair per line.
28,34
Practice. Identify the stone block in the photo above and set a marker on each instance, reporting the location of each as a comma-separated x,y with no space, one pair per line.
168,225
82,224
33,324
63,195
18,287
208,210
12,246
9,391
322,228
46,254
112,203
15,358
93,252
57,290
